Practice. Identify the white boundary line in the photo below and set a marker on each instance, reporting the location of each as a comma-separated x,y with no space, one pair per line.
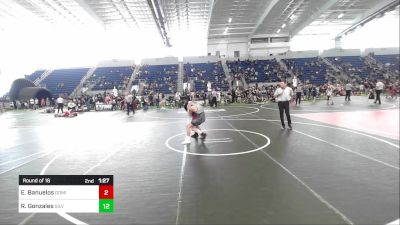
76,221
212,117
222,141
396,222
320,198
328,110
344,129
62,214
320,125
71,219
346,149
226,154
19,165
49,163
182,174
343,148
14,160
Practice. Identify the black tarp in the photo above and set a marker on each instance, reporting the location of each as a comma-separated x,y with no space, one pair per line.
23,89
33,92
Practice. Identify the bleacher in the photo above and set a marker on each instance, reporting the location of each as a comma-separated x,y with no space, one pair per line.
34,75
260,70
351,64
159,78
105,78
312,70
389,61
63,81
202,73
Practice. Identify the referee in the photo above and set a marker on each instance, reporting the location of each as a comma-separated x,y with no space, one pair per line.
283,94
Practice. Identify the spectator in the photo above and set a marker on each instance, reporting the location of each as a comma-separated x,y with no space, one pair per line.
348,88
213,98
299,91
128,101
71,105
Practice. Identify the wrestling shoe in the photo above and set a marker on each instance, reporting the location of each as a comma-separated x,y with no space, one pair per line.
195,135
186,141
203,136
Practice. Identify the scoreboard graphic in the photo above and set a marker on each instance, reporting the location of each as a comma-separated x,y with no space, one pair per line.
66,193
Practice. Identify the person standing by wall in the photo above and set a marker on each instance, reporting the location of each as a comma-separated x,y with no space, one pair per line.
295,83
213,98
233,94
379,88
299,91
314,93
329,93
31,103
348,88
283,95
42,103
128,101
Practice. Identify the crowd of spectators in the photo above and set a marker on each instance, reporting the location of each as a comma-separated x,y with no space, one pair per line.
389,62
312,70
161,81
256,70
105,78
102,83
253,94
203,74
158,78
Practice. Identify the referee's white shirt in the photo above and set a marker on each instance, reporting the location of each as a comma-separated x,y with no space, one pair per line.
60,100
379,86
283,95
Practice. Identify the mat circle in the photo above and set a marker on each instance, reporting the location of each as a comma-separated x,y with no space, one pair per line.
224,154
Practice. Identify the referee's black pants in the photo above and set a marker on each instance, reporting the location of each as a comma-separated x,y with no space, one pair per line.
298,97
213,102
348,92
60,106
284,106
129,106
378,96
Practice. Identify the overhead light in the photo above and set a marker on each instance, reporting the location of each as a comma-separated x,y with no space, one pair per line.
279,30
340,15
230,20
291,17
283,25
226,30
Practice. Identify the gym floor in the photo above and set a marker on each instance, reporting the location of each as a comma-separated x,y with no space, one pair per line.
339,164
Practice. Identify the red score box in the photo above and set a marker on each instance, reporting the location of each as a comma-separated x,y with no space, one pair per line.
106,192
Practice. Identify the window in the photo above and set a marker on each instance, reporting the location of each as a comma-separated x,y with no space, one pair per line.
217,53
259,40
236,54
279,39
